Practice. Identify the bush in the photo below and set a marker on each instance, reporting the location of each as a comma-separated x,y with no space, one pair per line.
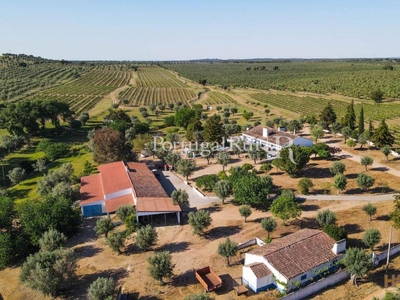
103,288
104,226
266,167
146,237
51,240
116,241
338,167
16,175
326,217
169,121
53,150
125,211
335,232
304,185
247,167
199,221
365,181
207,182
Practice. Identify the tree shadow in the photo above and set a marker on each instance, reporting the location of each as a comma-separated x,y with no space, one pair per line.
221,231
312,172
306,222
86,232
352,176
380,169
382,218
87,251
76,291
213,209
351,242
353,191
227,285
184,279
353,228
175,247
381,190
310,207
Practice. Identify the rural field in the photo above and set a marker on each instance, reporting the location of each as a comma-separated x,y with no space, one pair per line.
136,101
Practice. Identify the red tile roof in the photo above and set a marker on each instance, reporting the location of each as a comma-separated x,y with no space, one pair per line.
144,182
115,177
299,252
259,269
113,204
280,138
91,189
156,205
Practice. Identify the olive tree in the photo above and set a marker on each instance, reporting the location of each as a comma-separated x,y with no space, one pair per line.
227,249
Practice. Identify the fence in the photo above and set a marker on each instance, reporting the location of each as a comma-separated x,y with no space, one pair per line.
318,285
251,243
383,255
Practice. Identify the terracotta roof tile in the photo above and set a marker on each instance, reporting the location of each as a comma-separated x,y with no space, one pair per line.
115,177
91,189
299,252
144,182
280,138
113,204
156,205
259,269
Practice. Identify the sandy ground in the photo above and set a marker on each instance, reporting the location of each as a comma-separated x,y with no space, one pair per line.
190,252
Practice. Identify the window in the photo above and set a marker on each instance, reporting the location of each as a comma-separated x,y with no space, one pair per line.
303,277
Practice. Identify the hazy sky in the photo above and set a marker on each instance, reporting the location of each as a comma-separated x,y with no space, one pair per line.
190,29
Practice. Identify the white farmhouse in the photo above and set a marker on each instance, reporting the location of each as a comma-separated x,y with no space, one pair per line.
274,139
294,260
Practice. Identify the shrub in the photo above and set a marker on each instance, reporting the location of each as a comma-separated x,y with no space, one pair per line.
51,240
245,211
326,217
104,226
365,181
335,232
16,175
116,241
124,211
304,185
337,167
146,237
103,288
199,221
207,182
160,266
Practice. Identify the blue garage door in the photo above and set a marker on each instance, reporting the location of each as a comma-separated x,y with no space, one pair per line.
92,210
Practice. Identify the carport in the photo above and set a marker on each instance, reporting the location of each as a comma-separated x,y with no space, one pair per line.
157,206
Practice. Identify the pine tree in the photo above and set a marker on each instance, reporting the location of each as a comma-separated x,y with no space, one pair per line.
350,117
328,115
361,128
382,136
213,129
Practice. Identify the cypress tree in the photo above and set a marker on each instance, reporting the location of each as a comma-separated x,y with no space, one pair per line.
382,136
370,128
361,121
350,117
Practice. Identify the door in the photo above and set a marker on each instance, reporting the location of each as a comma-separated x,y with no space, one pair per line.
92,210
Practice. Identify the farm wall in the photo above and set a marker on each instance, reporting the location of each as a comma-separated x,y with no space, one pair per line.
317,286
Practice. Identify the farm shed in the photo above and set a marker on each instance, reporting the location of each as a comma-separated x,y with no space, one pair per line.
258,277
118,184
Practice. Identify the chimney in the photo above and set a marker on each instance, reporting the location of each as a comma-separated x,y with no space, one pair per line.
265,132
282,129
339,246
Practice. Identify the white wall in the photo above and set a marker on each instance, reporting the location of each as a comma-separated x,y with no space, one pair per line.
249,278
118,194
317,286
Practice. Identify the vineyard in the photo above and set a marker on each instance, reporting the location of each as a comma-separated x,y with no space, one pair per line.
156,85
139,96
218,98
21,74
152,76
310,105
351,78
83,93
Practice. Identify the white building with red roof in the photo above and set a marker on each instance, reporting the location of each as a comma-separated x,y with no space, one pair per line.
120,184
291,261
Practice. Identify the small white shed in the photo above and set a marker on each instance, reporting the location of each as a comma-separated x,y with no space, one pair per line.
258,277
